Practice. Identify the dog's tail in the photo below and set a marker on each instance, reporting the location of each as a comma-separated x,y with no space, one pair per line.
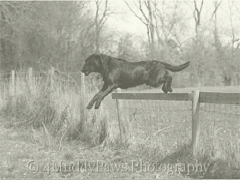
176,68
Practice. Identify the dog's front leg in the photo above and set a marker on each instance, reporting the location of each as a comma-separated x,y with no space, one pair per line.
104,94
90,104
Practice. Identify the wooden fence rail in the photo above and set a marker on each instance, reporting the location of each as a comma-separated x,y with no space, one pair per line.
153,96
219,98
196,97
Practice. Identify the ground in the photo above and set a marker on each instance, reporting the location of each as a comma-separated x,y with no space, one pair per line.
23,158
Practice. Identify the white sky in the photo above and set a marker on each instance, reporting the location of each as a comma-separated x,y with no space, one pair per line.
125,21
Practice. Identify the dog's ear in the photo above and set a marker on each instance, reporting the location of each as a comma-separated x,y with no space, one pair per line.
103,62
97,60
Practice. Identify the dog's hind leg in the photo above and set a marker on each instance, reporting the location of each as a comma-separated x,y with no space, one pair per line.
169,83
165,88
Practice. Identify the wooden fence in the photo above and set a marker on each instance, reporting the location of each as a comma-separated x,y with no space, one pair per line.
196,97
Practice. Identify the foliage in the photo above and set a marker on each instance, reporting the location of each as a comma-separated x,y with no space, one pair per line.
62,34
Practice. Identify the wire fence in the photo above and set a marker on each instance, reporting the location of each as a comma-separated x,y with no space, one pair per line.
164,125
209,122
220,128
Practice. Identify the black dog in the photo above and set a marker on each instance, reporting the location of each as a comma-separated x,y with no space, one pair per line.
119,73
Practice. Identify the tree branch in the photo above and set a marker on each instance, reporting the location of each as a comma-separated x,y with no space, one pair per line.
103,18
140,8
135,13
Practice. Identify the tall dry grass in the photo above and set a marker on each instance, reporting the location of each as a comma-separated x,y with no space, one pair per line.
55,111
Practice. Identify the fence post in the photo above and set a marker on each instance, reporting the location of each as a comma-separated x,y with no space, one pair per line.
121,121
51,78
82,95
82,103
30,74
83,84
195,121
30,77
12,92
12,83
51,74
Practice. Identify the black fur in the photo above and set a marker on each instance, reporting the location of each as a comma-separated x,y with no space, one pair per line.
119,73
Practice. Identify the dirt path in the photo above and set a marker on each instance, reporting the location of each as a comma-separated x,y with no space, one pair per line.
21,157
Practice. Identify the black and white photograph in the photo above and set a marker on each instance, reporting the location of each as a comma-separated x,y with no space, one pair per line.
120,89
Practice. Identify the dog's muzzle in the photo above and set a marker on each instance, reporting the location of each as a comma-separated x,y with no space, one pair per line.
86,73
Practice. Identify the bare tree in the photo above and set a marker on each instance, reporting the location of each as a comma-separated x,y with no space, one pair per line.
31,31
102,12
197,17
10,41
159,22
168,21
145,15
217,42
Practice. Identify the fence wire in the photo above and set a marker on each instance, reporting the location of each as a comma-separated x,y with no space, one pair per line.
220,129
162,124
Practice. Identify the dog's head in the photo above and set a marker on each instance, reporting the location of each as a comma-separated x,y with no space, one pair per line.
92,64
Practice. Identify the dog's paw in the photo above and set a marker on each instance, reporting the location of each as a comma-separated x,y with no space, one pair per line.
89,106
170,89
165,90
97,105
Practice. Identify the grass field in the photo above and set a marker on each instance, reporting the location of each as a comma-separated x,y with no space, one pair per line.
159,133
